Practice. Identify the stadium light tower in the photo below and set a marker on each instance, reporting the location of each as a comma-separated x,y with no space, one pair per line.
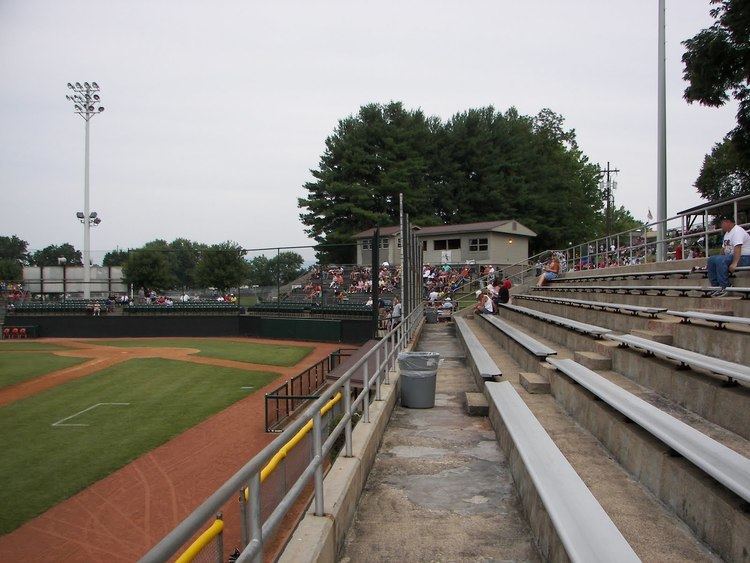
86,103
661,190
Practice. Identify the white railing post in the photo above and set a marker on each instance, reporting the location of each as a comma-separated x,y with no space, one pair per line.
348,411
256,525
318,450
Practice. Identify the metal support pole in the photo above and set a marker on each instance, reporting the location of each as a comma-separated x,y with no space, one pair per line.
661,199
86,222
318,448
220,542
377,375
244,517
256,525
705,230
375,290
366,398
348,410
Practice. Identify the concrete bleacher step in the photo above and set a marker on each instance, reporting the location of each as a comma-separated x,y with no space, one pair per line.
652,530
592,360
705,483
534,382
476,404
661,337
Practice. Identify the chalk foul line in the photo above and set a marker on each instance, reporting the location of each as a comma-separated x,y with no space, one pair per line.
92,407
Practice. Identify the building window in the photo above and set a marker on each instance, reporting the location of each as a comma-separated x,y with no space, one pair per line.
399,242
447,244
477,244
366,244
424,246
383,243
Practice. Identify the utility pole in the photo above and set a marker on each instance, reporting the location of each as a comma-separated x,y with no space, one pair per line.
609,186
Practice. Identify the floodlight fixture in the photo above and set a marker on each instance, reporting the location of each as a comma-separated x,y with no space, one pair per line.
80,215
95,85
86,85
93,214
78,85
70,85
97,221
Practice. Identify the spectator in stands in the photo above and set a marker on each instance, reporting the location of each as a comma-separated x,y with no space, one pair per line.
97,309
396,313
503,295
550,271
735,252
484,303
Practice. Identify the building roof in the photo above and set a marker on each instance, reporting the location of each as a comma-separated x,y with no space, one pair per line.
503,226
715,207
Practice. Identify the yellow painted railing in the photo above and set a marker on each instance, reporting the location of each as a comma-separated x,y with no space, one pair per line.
201,542
206,537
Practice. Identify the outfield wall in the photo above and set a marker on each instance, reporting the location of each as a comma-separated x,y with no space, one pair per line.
349,331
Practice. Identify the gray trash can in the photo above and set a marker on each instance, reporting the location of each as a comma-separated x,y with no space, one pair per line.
431,315
418,378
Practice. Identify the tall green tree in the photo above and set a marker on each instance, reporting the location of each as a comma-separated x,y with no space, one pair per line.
479,165
259,271
148,268
717,68
49,255
725,173
287,265
222,266
10,270
184,256
115,258
14,248
368,160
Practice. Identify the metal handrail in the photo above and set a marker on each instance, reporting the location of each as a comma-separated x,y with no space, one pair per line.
249,475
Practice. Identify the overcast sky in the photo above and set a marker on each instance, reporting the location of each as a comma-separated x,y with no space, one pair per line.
216,111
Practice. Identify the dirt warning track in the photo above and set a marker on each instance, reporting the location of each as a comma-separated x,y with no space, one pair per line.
121,516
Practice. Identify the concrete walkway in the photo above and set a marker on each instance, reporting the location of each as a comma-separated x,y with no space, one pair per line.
440,488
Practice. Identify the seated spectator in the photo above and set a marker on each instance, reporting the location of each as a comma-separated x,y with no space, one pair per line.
550,271
97,309
484,304
735,252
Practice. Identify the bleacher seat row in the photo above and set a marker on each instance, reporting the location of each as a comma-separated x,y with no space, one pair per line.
600,305
683,291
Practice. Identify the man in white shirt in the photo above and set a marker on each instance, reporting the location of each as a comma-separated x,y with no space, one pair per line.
395,313
735,252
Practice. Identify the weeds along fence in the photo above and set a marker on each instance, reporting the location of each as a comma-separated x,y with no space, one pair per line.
287,399
275,480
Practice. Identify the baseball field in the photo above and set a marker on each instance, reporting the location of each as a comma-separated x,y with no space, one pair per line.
73,412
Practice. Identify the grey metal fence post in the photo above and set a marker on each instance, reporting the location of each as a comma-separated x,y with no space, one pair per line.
244,518
348,410
366,398
220,542
377,374
256,526
318,446
705,230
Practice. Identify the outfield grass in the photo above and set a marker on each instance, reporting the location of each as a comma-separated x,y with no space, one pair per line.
20,366
251,352
25,345
42,465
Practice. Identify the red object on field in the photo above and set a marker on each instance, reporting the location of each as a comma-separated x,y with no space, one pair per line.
6,333
14,332
22,333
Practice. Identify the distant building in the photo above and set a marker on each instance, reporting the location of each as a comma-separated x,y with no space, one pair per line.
489,242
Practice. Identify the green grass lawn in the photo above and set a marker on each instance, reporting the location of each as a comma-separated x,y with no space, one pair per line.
20,366
42,464
26,345
251,352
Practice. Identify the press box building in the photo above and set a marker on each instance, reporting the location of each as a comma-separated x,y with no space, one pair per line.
501,242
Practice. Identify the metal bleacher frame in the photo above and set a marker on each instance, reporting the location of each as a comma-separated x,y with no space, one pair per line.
480,361
728,467
720,320
600,305
583,328
531,345
583,527
624,275
687,358
644,289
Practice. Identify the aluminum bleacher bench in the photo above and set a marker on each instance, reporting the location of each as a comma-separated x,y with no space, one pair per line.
635,275
645,289
720,320
689,358
618,307
584,328
532,345
486,368
728,467
585,530
704,271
